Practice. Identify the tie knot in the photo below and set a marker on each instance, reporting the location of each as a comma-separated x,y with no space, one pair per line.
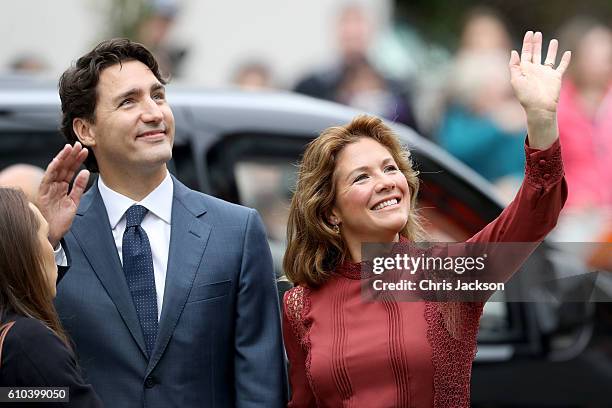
134,215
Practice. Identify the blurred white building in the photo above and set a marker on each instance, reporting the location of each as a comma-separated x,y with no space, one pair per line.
292,37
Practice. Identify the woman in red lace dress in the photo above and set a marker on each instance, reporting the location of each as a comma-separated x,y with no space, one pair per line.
356,185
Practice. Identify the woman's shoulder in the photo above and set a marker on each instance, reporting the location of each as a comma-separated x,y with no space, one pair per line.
295,302
294,297
28,331
30,340
33,356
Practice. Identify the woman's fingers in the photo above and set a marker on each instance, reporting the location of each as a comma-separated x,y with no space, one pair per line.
532,51
565,60
514,58
514,64
537,48
527,51
551,55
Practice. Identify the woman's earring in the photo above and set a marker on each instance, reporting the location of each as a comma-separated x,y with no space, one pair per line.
336,228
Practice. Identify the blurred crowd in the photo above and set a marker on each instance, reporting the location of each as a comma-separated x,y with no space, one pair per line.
464,102
460,99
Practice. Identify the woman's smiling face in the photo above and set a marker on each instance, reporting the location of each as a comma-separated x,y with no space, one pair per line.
372,200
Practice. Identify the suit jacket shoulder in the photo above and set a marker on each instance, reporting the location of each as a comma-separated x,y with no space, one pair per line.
221,210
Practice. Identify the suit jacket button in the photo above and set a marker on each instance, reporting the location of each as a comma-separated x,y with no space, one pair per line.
149,382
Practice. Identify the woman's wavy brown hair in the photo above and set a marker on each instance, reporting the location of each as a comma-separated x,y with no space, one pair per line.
313,248
24,288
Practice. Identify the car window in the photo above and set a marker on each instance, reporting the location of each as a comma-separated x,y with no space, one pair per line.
266,184
31,147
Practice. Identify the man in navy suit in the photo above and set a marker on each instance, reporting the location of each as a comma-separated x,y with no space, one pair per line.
171,297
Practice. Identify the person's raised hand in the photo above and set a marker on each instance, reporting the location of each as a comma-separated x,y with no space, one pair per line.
537,85
57,204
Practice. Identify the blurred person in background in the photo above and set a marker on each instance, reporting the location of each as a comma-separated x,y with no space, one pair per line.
484,124
363,87
354,80
585,123
35,350
28,64
252,76
153,32
25,177
484,30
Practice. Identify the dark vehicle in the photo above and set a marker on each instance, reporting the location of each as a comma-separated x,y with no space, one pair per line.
243,147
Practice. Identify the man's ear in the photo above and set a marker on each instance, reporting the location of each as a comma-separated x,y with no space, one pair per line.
84,131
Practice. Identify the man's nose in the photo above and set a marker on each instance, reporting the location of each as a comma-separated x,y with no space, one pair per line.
152,112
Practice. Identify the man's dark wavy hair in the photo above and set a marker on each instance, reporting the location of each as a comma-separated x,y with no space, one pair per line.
78,84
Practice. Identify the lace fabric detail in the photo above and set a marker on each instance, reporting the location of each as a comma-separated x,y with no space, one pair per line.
350,270
356,270
297,304
451,332
294,304
543,170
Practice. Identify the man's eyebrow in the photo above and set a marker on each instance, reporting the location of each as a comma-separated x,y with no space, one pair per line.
157,86
128,93
137,92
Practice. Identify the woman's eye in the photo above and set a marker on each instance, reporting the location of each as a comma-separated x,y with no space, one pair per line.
391,167
360,177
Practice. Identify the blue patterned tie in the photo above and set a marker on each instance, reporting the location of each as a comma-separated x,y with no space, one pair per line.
138,269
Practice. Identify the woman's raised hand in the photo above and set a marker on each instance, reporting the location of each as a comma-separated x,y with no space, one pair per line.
537,85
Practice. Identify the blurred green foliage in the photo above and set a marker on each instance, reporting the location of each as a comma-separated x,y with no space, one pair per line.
126,15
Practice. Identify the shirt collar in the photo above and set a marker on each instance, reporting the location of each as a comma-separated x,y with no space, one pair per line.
158,201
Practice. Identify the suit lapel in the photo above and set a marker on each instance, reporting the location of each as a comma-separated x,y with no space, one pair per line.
93,233
188,239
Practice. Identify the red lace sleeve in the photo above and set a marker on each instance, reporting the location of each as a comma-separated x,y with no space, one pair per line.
453,348
293,334
534,211
529,218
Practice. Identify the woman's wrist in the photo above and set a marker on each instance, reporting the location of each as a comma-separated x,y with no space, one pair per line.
542,129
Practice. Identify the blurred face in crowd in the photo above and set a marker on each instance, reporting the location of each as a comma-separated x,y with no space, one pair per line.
485,33
594,65
23,176
253,78
372,195
354,33
134,126
49,267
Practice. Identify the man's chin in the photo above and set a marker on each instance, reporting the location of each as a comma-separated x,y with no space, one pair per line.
152,162
158,154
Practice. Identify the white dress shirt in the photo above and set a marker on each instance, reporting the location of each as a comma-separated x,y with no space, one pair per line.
156,224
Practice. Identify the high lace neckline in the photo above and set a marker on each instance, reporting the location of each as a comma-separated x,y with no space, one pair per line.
353,270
